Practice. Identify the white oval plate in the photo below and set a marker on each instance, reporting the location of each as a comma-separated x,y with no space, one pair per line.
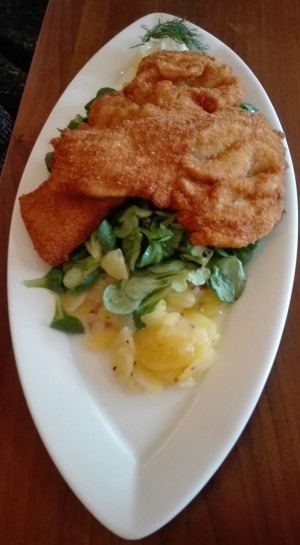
136,460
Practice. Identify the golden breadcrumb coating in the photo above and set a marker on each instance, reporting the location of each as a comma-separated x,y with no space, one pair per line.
186,81
187,75
112,109
57,222
223,173
175,136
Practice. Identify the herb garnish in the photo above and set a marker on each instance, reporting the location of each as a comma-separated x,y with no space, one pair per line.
176,29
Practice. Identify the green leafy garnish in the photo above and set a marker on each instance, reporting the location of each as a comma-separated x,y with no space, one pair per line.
81,274
64,322
48,158
137,288
227,278
128,296
103,91
248,107
93,246
76,121
106,236
116,300
155,252
83,279
176,29
244,254
53,281
159,257
131,247
148,305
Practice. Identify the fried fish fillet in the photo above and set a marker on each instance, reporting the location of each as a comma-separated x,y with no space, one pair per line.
173,136
137,158
184,81
166,78
113,109
57,222
222,172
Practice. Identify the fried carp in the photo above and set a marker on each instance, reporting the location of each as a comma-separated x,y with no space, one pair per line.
223,173
175,136
166,78
58,222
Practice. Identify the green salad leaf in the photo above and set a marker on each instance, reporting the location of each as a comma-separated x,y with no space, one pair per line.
93,246
158,256
64,322
131,247
73,124
80,274
103,91
52,281
106,236
148,305
161,268
48,158
248,107
116,300
227,278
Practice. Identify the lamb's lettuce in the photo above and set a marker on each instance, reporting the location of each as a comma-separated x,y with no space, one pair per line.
106,236
158,256
52,280
227,278
64,321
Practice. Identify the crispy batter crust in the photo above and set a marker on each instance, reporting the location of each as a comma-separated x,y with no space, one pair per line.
138,158
57,222
173,136
111,110
223,173
184,75
186,81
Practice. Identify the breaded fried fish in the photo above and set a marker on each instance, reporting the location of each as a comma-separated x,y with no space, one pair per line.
222,172
112,109
57,222
173,136
137,158
165,78
188,82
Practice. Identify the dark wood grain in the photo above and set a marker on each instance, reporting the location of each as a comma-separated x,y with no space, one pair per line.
254,497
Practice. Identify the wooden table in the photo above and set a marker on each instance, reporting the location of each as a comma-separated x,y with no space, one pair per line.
254,498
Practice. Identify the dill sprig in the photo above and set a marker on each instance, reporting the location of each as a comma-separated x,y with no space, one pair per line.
178,30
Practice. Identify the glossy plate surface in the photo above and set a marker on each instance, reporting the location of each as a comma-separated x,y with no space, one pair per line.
136,460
